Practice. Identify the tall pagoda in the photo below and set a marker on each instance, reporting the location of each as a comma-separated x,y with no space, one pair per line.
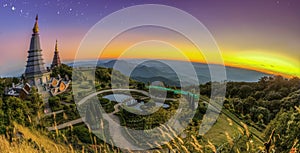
36,73
56,59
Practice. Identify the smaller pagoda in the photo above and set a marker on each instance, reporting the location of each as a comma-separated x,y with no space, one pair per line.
56,59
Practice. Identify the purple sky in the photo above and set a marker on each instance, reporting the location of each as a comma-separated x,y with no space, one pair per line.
270,25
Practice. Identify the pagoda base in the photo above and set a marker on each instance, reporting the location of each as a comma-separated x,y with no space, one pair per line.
38,79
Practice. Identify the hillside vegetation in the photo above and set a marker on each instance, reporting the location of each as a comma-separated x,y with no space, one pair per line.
261,116
271,104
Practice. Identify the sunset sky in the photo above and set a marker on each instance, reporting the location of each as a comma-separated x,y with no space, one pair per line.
254,34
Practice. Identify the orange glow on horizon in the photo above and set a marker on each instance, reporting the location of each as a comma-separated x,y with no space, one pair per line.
284,66
182,49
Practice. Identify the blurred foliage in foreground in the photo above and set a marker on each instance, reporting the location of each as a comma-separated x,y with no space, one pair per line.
270,105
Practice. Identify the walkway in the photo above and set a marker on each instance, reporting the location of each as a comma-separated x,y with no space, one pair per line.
83,100
115,129
64,125
52,113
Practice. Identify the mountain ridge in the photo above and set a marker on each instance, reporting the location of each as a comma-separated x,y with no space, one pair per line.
143,69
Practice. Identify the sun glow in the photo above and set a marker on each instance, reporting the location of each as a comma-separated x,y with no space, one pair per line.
265,62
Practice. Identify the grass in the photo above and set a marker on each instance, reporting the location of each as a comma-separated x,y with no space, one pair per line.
217,133
253,130
229,116
32,141
6,147
226,131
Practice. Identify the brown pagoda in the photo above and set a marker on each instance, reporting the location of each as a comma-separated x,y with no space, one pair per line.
56,59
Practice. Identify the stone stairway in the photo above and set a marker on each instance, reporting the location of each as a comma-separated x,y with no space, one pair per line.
45,96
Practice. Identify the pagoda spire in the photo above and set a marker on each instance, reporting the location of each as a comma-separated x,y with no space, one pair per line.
56,59
56,50
36,26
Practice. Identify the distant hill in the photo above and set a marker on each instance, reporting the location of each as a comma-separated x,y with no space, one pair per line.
147,71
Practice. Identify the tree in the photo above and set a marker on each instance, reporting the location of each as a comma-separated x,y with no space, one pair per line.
206,89
245,91
232,91
250,102
16,110
273,95
34,101
259,94
140,86
287,131
62,70
54,103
